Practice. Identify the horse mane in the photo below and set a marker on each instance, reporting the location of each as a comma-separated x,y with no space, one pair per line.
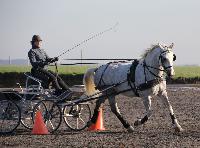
150,49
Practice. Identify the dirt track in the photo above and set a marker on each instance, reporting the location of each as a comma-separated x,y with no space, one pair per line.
157,132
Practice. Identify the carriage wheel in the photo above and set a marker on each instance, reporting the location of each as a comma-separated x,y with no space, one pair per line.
27,112
51,113
77,116
10,116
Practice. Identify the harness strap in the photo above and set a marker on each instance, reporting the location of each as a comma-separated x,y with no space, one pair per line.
145,71
133,88
149,84
131,77
101,79
146,66
89,98
144,86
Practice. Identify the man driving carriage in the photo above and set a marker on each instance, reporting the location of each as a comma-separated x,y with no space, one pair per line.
39,61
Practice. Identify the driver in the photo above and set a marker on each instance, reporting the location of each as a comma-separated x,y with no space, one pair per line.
39,61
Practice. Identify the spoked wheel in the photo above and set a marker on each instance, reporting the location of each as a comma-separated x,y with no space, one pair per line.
10,116
31,99
51,113
77,116
27,113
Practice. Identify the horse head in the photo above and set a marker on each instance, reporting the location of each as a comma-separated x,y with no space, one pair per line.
166,59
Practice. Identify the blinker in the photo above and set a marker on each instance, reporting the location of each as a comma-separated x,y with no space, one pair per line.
174,57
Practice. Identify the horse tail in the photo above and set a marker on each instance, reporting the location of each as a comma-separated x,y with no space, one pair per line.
88,81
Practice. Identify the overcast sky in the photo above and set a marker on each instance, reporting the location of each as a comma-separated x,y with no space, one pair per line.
65,23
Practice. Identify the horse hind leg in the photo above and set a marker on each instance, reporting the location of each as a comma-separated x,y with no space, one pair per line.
99,104
147,104
115,110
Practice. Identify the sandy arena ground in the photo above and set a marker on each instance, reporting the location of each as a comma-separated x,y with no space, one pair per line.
157,132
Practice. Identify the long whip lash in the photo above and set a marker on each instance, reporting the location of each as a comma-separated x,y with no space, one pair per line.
84,41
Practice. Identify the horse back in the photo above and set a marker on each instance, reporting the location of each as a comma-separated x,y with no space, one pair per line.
112,73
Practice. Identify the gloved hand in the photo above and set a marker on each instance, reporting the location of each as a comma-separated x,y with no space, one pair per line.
51,60
55,59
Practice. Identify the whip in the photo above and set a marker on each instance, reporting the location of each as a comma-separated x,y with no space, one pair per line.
90,38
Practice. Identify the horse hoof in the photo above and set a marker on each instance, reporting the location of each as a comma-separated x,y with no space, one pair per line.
130,129
178,129
137,123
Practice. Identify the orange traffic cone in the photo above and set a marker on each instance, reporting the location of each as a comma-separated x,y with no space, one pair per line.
39,127
99,122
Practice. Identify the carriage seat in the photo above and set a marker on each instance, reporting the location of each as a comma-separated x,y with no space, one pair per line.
30,76
32,82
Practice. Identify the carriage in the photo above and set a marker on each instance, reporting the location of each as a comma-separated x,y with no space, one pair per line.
20,105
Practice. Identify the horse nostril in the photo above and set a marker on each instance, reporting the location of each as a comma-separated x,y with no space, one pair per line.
169,73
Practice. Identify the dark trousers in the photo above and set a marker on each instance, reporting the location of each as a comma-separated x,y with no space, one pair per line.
48,76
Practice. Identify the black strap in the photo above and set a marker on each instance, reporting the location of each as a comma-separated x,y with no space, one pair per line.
101,79
131,77
146,66
145,71
149,84
133,88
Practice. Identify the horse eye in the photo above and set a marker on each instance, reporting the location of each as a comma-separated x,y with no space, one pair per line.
174,57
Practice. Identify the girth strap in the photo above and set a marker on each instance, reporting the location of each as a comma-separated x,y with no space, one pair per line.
131,74
131,77
149,84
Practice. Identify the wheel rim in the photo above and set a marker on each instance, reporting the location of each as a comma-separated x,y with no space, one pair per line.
9,116
51,113
76,117
27,111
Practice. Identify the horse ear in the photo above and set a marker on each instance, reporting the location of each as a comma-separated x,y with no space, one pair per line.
159,44
171,46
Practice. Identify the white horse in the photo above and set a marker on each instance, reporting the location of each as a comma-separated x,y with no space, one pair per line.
144,78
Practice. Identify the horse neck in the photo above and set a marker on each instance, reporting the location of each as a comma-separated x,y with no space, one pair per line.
152,59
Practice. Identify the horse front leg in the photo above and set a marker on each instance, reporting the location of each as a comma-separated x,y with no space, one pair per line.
167,104
115,110
147,104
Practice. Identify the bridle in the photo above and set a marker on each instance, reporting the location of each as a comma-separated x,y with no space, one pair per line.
162,64
162,59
